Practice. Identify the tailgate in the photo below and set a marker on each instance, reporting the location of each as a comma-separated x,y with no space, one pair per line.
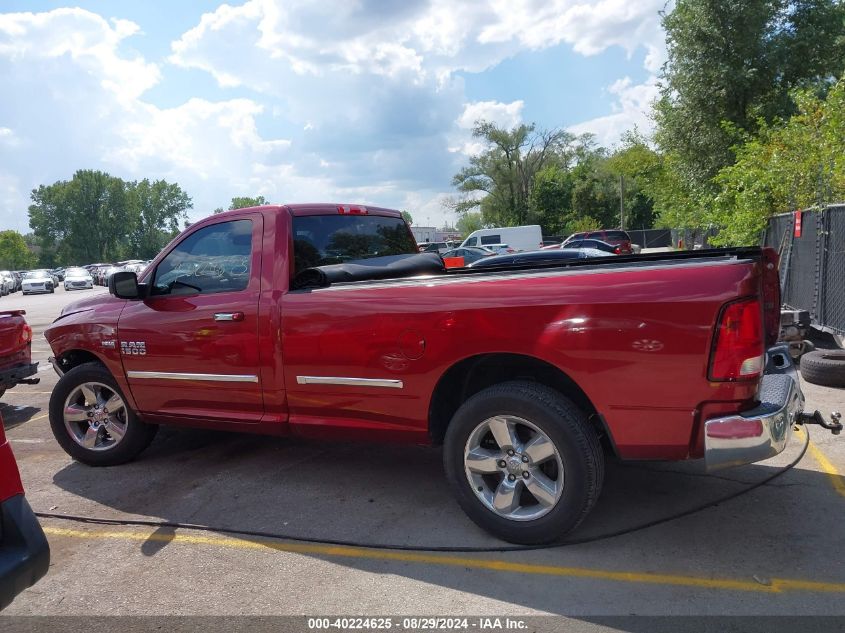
11,327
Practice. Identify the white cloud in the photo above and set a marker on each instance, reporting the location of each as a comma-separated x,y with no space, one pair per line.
631,109
415,39
503,114
368,93
86,38
507,115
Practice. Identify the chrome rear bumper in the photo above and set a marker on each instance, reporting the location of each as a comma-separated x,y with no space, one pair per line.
762,432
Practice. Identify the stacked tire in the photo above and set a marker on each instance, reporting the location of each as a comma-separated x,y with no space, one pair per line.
824,367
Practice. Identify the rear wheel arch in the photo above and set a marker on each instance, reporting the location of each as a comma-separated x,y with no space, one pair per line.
476,373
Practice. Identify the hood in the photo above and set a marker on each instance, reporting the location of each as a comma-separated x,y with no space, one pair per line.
89,303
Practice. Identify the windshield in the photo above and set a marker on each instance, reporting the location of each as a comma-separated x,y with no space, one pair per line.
334,239
76,272
36,274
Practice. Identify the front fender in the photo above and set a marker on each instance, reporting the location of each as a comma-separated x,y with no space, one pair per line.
77,335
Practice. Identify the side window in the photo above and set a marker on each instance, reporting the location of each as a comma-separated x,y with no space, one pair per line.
597,235
213,259
472,241
491,239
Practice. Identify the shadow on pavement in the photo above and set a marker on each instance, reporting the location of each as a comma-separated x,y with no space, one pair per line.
399,496
14,416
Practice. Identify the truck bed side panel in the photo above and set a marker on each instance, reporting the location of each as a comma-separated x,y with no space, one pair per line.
636,340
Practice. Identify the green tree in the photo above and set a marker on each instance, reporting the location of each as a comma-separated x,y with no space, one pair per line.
408,217
156,209
735,62
791,165
584,223
551,199
97,217
469,222
81,220
499,180
243,202
14,253
640,166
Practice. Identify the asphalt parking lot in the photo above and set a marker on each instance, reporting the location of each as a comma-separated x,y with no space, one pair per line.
775,550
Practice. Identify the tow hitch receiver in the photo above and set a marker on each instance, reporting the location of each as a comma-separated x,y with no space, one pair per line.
816,417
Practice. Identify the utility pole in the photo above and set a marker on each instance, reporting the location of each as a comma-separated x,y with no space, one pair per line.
621,202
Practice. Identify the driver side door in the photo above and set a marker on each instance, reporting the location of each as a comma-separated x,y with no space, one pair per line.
190,349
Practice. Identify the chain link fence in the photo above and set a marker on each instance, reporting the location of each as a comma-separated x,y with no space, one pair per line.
651,238
812,265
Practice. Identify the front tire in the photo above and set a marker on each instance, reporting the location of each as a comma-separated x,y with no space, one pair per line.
91,420
523,462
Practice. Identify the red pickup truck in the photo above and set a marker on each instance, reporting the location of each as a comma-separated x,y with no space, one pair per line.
324,321
24,552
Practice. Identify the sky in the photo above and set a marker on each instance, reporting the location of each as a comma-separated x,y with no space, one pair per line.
358,101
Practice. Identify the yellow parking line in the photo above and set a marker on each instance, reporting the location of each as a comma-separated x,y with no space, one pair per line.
827,466
777,585
35,419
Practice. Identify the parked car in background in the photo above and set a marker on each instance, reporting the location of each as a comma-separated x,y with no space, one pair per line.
539,258
435,247
38,281
588,243
616,237
108,272
78,279
501,249
24,551
7,282
470,254
520,238
59,274
100,273
18,275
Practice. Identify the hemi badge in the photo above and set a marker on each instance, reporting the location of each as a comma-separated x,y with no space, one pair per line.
110,344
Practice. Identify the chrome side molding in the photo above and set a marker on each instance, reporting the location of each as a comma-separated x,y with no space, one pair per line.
350,381
166,375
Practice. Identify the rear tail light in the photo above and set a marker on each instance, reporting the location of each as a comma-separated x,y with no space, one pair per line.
618,250
26,334
771,295
738,351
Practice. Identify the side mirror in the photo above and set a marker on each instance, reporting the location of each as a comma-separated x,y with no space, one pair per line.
124,285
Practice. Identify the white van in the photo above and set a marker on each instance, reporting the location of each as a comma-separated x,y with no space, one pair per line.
520,238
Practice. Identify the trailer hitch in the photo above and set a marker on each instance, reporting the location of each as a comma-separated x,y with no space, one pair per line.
816,417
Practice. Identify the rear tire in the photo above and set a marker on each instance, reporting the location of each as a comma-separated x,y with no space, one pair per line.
84,426
570,464
824,367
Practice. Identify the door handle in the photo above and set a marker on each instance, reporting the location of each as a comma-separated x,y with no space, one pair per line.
228,316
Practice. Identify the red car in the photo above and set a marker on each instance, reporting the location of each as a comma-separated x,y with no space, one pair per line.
24,552
324,321
614,237
16,364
